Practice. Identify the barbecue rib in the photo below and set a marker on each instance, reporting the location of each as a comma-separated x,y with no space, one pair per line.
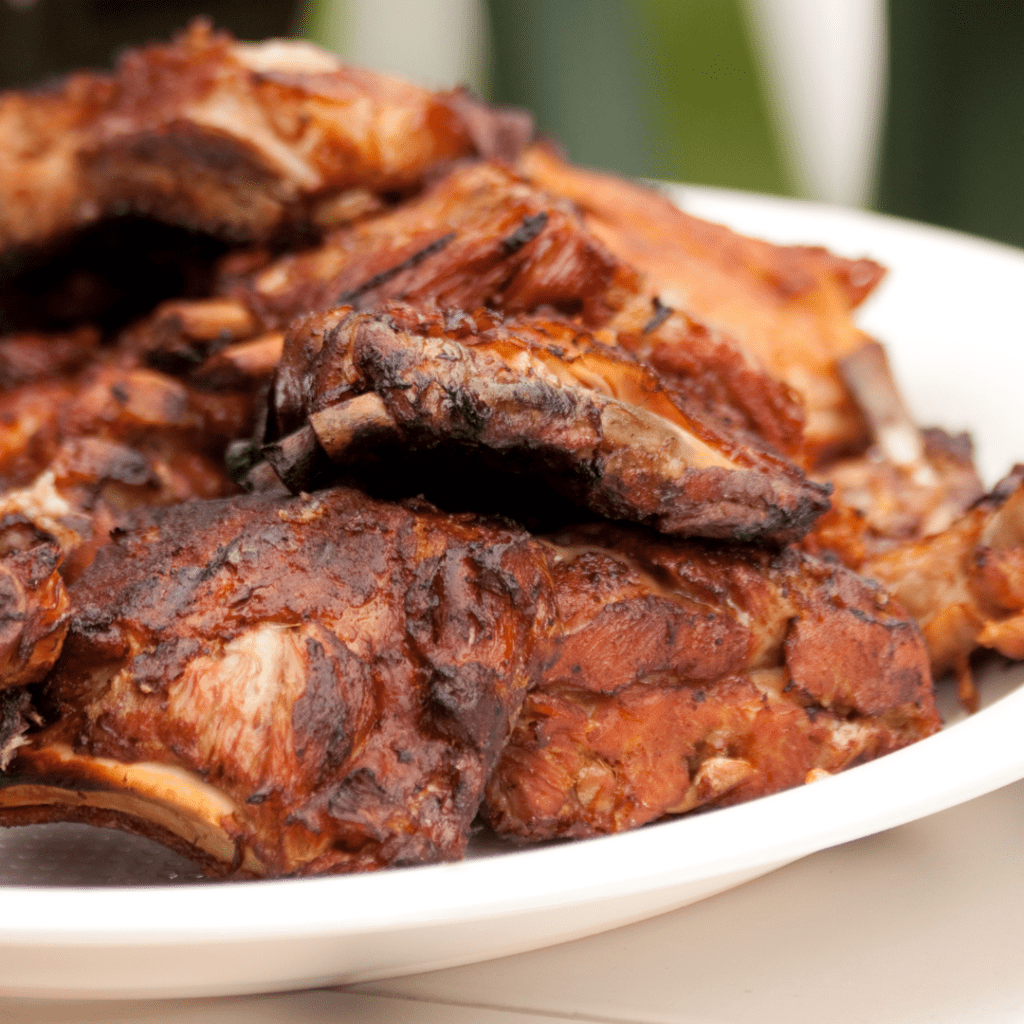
321,682
533,395
787,306
965,585
84,441
37,529
33,599
88,436
879,505
278,686
480,237
712,373
910,484
242,141
692,675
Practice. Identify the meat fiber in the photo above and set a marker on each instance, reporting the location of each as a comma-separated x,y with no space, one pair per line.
530,394
279,686
965,585
33,599
694,675
788,307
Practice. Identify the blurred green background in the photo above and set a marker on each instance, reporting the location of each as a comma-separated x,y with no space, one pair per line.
733,93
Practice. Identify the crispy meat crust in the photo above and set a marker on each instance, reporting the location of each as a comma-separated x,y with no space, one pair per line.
692,675
283,685
878,504
787,306
110,434
80,452
541,396
237,140
16,718
482,236
313,684
712,373
965,585
33,600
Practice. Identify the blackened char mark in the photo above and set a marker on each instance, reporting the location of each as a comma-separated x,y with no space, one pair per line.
386,275
661,314
526,232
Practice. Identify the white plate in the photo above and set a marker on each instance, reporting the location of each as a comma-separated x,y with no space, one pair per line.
949,312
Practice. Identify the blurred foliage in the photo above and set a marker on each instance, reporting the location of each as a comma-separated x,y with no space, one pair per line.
580,67
325,22
953,142
710,95
663,88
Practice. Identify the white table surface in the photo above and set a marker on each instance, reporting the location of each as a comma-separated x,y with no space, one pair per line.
921,923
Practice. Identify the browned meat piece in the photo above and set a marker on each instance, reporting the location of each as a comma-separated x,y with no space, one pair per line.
17,716
713,374
238,140
30,358
181,431
281,686
879,504
965,585
33,599
787,306
179,333
530,394
36,528
479,237
910,484
86,437
695,675
86,447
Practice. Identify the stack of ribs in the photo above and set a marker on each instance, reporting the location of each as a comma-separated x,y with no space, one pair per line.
437,484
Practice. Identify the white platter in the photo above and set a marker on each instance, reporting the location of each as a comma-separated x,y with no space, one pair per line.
949,312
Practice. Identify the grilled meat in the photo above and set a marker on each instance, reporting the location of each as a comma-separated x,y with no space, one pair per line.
280,686
529,394
787,306
88,436
692,675
176,433
239,140
712,373
37,529
85,440
909,484
17,716
480,237
33,599
879,504
965,585
32,358
283,685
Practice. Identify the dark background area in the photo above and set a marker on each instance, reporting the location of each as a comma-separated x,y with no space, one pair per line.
48,38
